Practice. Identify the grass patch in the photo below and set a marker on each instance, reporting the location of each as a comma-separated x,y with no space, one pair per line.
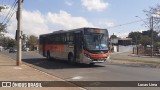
139,61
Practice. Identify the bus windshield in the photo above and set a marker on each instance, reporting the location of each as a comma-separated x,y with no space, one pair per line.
96,41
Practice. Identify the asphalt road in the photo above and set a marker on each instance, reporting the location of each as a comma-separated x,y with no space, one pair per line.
98,72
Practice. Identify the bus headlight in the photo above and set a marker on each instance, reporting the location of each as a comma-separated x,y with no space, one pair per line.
108,57
87,56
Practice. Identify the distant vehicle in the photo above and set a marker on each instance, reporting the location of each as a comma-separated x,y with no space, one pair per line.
25,49
12,50
83,45
1,48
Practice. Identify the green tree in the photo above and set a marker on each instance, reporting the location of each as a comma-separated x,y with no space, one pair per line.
4,41
136,37
7,42
145,40
32,41
3,28
12,43
156,38
113,36
153,12
148,33
1,7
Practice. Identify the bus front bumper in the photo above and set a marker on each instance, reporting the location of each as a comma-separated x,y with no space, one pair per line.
99,60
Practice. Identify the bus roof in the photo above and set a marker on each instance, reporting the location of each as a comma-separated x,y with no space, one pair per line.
65,31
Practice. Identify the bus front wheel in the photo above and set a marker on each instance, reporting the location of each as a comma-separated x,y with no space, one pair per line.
92,64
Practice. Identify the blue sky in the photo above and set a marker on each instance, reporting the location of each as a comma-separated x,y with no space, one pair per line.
44,16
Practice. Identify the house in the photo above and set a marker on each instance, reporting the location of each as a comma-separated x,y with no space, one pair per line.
121,44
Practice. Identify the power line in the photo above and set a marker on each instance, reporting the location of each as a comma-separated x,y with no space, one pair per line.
10,11
127,23
11,15
5,6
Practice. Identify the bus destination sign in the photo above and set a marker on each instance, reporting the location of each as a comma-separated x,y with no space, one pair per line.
94,31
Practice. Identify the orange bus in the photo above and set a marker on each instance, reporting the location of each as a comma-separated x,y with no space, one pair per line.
83,45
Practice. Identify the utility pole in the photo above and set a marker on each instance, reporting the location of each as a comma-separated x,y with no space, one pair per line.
19,36
151,36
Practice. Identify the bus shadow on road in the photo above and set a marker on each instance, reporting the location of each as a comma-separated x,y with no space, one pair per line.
57,64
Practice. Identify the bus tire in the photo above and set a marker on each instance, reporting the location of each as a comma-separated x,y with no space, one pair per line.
71,58
92,64
48,56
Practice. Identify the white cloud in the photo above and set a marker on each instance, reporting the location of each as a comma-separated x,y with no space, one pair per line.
97,5
119,34
69,3
123,35
4,12
9,35
156,15
36,23
67,20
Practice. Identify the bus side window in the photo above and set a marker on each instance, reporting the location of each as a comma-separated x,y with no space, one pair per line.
67,37
56,39
71,38
62,40
47,40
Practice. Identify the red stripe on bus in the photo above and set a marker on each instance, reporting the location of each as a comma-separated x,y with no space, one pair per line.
53,47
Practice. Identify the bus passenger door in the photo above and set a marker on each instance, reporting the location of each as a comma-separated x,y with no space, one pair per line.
77,45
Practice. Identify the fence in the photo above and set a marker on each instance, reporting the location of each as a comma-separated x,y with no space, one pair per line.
141,50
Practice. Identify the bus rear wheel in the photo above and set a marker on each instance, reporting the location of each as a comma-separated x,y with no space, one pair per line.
48,56
71,58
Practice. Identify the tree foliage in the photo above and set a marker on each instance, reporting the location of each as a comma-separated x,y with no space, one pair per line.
136,37
7,42
1,7
144,38
3,27
155,13
148,33
113,36
32,41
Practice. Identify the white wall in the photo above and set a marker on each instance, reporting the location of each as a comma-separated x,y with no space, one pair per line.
125,48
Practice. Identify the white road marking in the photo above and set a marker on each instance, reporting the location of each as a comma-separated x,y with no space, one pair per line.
77,77
17,68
